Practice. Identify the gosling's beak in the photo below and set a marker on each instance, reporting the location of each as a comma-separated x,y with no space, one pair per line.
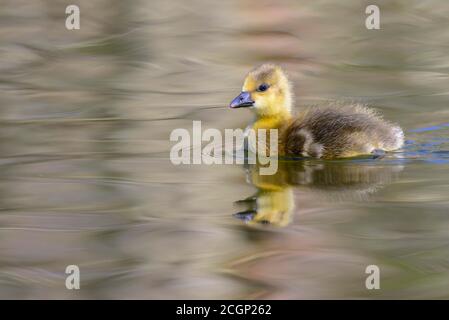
242,100
247,215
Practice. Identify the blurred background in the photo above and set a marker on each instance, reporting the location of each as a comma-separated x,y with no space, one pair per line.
85,179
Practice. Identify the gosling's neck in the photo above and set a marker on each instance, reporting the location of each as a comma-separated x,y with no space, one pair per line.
274,120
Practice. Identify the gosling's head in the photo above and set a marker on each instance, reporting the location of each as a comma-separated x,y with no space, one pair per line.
267,91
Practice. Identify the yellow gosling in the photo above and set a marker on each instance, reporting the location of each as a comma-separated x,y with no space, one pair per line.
328,132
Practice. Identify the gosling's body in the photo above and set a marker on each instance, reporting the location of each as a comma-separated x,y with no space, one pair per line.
328,132
339,132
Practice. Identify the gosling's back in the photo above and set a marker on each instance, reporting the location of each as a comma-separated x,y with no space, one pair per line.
338,131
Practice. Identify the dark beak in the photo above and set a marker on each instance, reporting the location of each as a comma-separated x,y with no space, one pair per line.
247,215
242,100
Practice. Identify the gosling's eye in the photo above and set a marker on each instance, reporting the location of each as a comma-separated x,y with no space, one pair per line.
263,87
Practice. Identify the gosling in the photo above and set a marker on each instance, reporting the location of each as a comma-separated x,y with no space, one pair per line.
327,132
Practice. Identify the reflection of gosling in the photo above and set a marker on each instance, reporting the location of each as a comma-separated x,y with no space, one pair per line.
334,131
273,203
273,207
331,181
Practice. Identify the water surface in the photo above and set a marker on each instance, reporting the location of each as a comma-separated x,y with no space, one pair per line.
86,178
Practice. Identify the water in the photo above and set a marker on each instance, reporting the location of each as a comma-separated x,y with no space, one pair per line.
86,178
